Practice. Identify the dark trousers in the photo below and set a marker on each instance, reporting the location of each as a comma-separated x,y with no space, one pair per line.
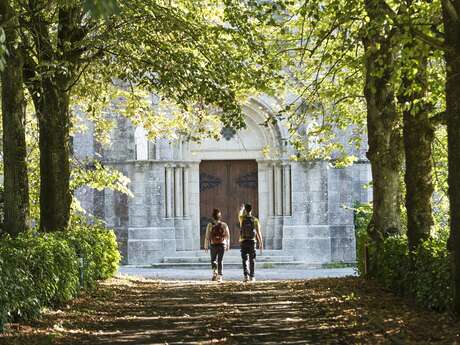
217,255
248,254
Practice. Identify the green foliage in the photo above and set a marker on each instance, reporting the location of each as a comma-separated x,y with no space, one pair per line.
425,275
40,270
101,8
362,217
2,49
96,176
36,271
97,247
433,275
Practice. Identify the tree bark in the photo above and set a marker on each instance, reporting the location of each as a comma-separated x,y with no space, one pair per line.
418,134
52,109
384,134
57,63
451,13
16,185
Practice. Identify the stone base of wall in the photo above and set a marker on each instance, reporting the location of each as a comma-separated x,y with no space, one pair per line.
150,245
320,243
316,244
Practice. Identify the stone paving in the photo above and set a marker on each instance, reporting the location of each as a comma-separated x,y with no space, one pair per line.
233,274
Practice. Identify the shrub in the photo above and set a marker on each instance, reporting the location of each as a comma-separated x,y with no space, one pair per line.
36,271
433,276
39,270
424,275
99,250
362,217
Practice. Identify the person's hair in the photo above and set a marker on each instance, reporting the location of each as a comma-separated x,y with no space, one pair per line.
248,208
216,214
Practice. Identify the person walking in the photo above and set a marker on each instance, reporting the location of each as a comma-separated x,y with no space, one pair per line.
217,238
250,232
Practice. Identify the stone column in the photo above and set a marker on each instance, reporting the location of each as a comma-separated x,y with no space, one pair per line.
287,189
278,191
157,150
178,201
169,198
271,199
187,222
186,198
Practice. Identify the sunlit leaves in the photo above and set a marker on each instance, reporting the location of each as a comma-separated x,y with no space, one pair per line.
101,8
2,49
96,176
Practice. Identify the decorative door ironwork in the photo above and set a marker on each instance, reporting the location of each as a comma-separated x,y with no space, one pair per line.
226,185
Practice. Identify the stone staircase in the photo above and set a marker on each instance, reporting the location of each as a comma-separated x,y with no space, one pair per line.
232,259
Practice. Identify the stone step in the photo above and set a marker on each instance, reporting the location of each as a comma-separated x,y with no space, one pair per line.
259,265
227,259
231,252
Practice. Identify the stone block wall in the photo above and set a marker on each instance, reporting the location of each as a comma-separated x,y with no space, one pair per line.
306,205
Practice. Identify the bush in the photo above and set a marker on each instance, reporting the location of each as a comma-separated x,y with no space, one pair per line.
433,275
40,270
99,250
362,217
425,275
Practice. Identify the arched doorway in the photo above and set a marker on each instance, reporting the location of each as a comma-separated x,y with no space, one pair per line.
226,185
236,169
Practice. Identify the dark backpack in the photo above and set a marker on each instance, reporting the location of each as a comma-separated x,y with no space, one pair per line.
217,233
248,231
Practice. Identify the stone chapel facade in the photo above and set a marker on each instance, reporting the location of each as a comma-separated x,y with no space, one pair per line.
304,207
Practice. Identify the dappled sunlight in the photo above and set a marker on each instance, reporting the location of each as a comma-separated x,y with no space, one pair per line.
331,311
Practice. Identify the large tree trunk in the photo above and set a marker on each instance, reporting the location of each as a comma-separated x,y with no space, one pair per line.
384,135
54,125
51,97
16,198
418,134
418,138
452,57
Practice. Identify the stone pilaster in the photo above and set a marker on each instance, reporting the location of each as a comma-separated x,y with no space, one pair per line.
287,207
169,190
278,189
178,196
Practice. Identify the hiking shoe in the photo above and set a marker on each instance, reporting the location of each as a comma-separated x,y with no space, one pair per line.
214,276
252,279
219,278
246,279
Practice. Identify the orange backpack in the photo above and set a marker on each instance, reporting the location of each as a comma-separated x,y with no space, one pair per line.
217,233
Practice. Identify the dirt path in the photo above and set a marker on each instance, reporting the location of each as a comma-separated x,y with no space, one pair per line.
324,311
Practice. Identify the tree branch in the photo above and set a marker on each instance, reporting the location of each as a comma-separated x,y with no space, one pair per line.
451,10
439,119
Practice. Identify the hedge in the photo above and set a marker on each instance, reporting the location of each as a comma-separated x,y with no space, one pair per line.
425,275
43,270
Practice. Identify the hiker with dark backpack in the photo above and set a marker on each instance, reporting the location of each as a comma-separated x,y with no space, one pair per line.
218,240
250,232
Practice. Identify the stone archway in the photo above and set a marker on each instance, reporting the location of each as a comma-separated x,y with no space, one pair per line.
256,142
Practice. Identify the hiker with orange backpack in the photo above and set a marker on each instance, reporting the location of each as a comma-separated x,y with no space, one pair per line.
218,240
250,233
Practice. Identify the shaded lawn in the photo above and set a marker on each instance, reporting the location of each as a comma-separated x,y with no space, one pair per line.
322,311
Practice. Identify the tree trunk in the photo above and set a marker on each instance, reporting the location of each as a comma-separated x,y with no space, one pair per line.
452,57
51,95
418,134
54,125
16,193
384,135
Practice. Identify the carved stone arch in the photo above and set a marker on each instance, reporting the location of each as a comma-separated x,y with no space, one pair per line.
248,143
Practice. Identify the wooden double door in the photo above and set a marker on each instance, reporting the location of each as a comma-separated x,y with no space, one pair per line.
226,185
